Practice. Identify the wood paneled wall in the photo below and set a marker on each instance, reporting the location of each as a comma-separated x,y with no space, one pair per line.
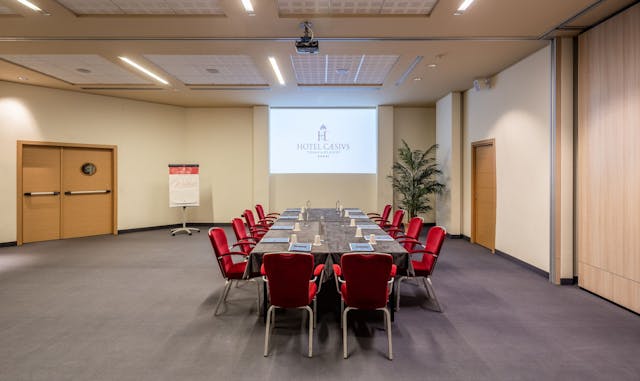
608,180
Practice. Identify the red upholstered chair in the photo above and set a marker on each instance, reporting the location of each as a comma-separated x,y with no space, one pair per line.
366,284
395,226
288,278
245,241
257,231
409,239
268,219
382,218
425,267
230,271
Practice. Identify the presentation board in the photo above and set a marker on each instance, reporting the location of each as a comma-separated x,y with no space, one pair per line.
331,140
184,185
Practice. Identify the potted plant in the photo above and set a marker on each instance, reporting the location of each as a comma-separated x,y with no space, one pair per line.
414,178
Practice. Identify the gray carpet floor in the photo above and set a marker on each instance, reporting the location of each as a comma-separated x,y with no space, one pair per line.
140,306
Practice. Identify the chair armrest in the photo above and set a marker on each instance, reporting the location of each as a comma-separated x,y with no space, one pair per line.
274,214
258,229
373,214
262,272
337,270
422,252
407,240
318,270
394,271
245,256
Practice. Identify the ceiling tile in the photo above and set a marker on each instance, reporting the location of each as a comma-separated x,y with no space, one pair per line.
144,7
356,7
210,69
77,68
342,69
6,10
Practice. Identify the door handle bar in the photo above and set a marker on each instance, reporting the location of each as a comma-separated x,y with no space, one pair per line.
41,193
69,193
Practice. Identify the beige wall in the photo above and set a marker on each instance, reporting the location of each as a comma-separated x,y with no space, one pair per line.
448,137
145,133
516,113
220,140
417,126
230,144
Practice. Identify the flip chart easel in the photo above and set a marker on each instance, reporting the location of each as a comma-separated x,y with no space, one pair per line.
184,191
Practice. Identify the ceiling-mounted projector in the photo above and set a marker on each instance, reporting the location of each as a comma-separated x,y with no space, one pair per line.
306,44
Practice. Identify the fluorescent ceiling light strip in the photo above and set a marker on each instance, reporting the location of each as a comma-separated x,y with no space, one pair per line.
355,78
247,6
276,69
326,68
144,70
409,70
30,5
465,4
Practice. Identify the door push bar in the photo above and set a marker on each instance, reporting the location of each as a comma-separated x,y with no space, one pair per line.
69,193
41,193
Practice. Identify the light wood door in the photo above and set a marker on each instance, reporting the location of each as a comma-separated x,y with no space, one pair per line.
484,194
87,201
41,193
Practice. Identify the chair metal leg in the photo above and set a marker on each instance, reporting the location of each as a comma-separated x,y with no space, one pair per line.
267,331
387,318
258,299
400,279
344,331
315,312
341,311
311,325
223,297
432,293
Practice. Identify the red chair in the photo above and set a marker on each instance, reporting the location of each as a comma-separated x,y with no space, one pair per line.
268,219
383,218
425,267
288,277
230,271
257,231
246,242
366,283
395,226
409,239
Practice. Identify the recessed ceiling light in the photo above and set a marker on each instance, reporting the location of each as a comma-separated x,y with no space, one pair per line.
247,6
463,7
276,70
432,65
212,70
144,70
23,78
83,70
417,79
30,5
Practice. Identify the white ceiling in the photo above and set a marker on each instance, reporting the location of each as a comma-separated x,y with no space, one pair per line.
213,53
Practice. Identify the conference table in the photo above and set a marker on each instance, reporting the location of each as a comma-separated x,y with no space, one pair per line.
337,238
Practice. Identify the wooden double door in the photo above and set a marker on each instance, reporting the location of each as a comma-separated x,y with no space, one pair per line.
65,191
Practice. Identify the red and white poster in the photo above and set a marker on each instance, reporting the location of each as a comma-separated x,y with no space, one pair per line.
184,185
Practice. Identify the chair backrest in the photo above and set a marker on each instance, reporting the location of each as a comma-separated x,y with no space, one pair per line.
248,217
413,231
241,233
260,211
366,276
220,246
385,213
397,218
435,239
288,276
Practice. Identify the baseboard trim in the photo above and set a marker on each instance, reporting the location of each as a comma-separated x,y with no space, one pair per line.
163,227
568,281
610,301
464,237
455,236
522,263
428,224
8,244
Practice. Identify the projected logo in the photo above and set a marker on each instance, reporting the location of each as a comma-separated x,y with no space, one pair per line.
324,148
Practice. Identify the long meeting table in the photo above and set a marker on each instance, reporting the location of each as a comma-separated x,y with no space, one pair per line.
336,234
